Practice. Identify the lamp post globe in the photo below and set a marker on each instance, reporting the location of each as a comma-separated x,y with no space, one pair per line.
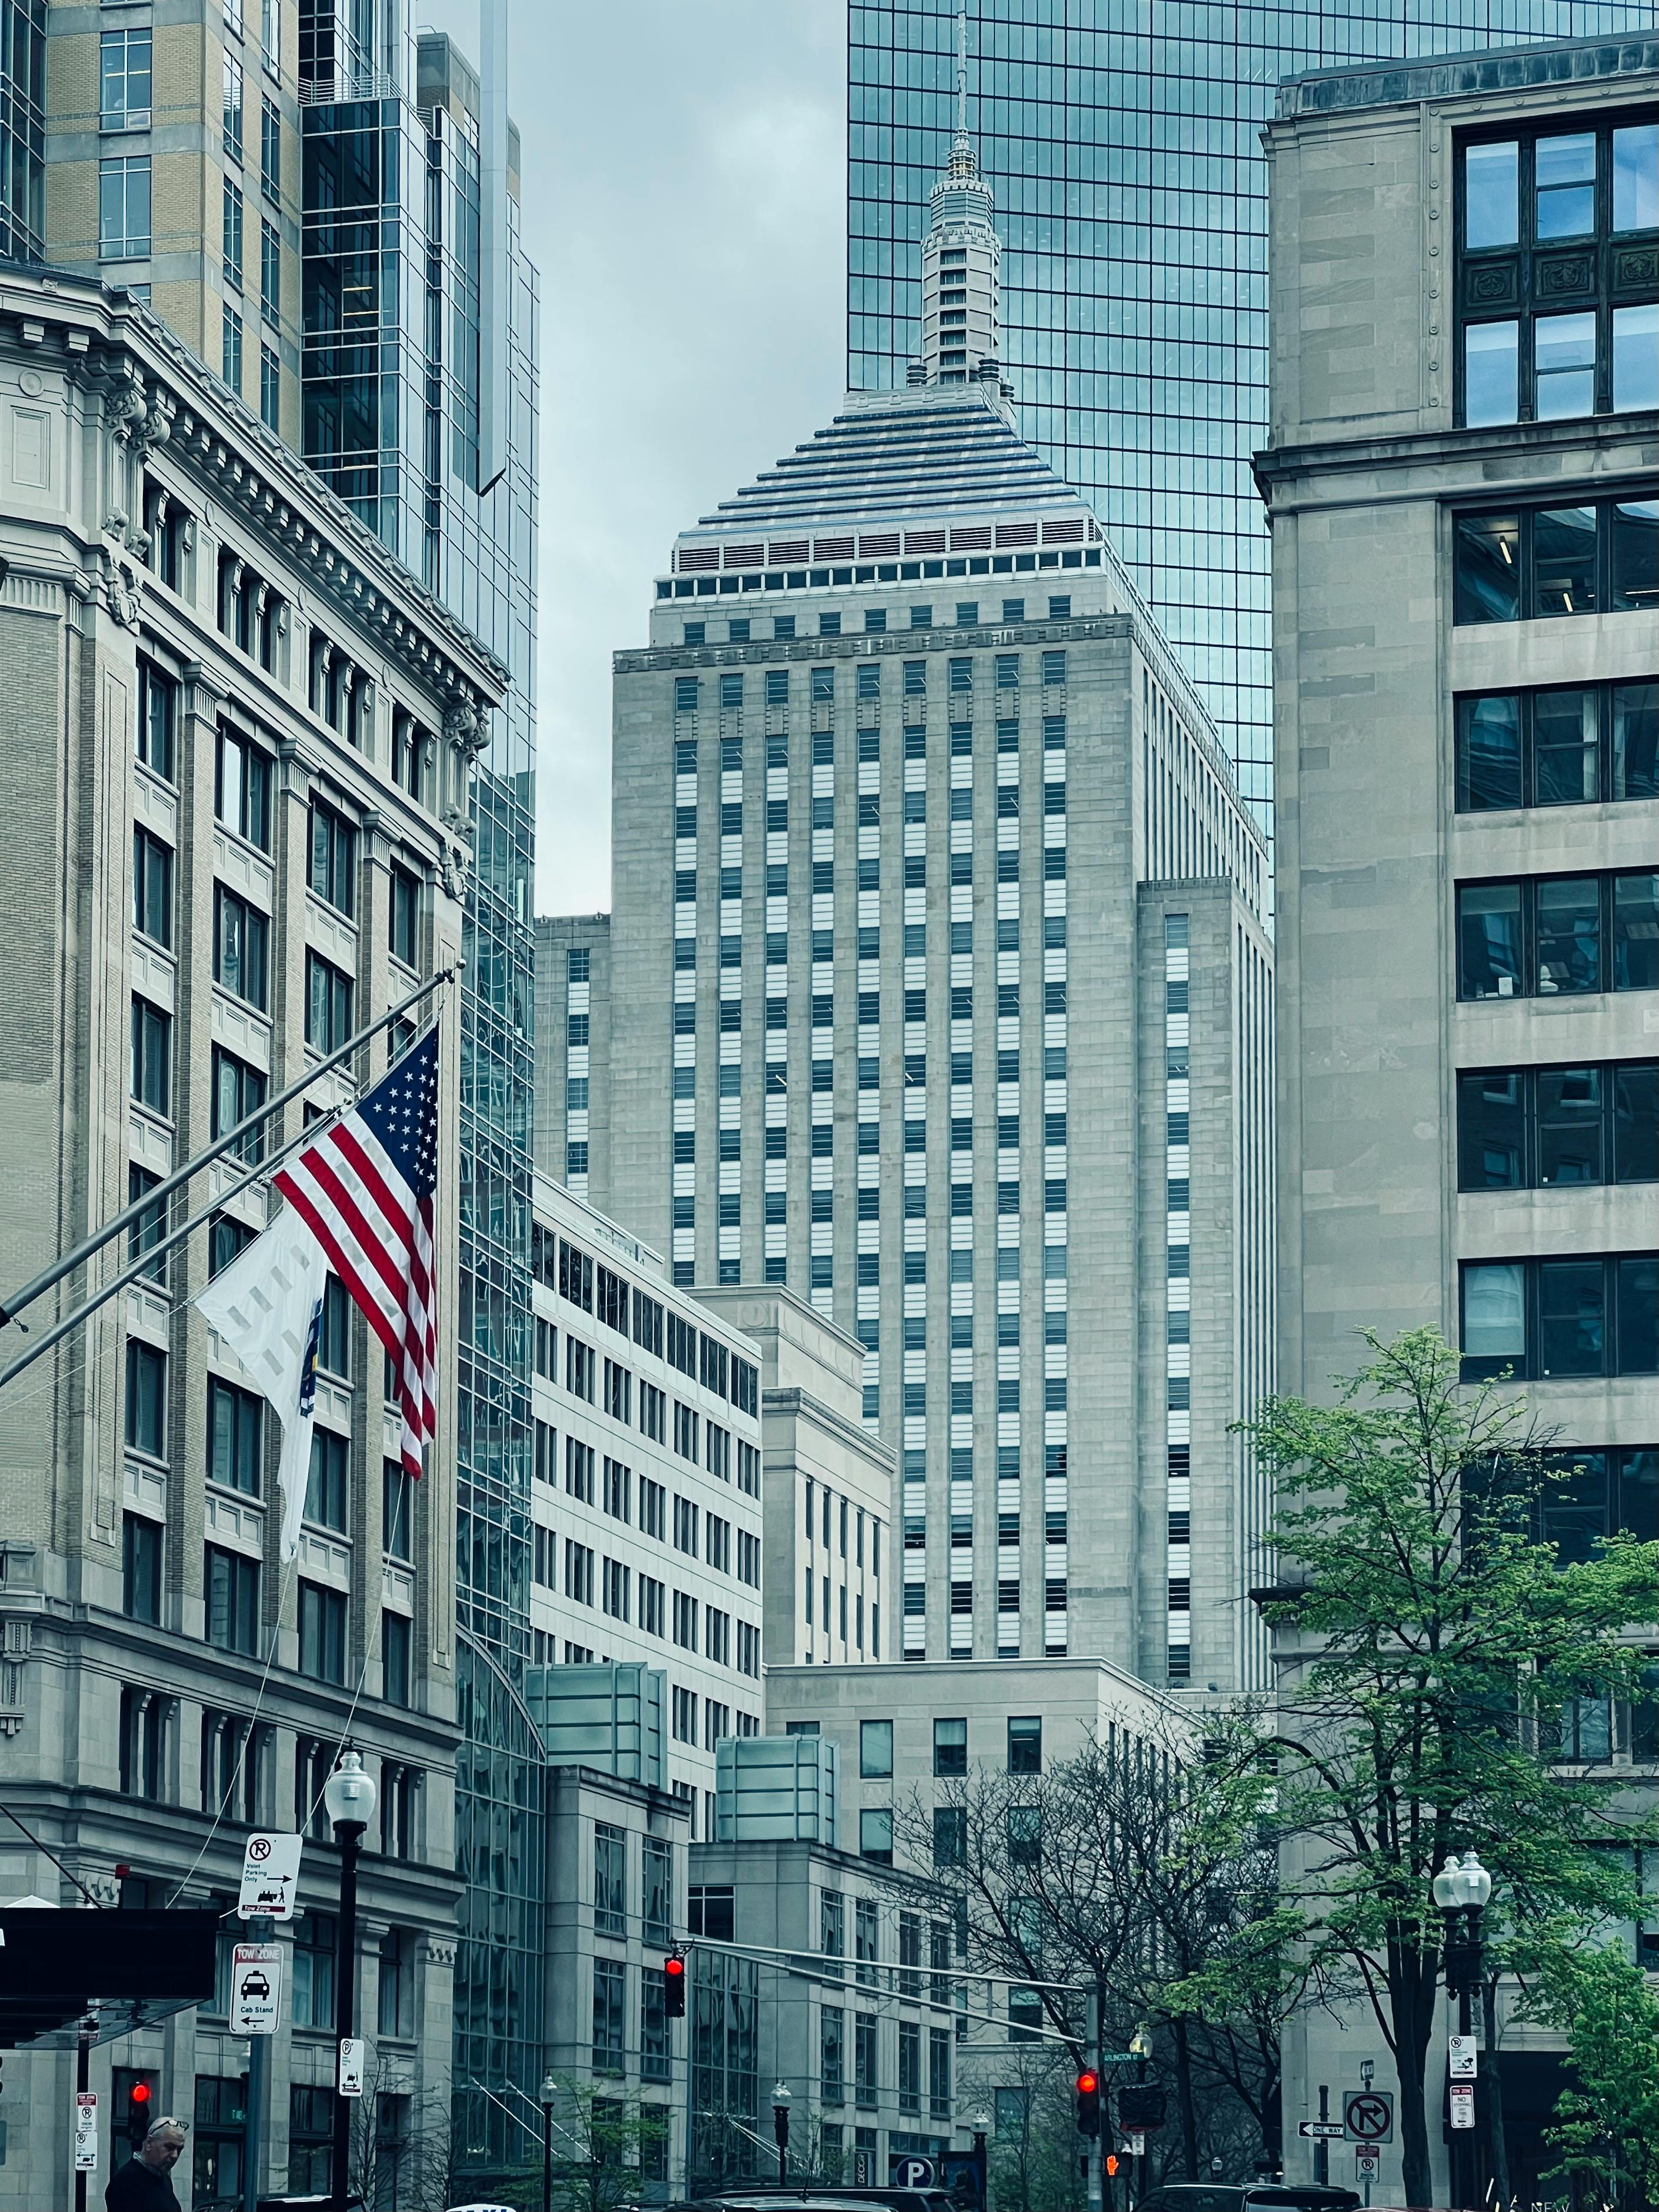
349,1798
780,2126
549,2091
1474,1883
350,1795
1444,1884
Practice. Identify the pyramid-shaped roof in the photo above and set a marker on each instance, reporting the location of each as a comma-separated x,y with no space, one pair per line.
895,471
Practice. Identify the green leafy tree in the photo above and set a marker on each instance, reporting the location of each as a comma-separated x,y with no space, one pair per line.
1428,1648
1607,2124
602,2140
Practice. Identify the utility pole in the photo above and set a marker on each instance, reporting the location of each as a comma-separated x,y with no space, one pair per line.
261,1929
1096,2155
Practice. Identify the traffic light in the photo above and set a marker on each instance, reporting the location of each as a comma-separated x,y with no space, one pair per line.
1140,2106
1088,2103
1112,2164
135,2102
673,1986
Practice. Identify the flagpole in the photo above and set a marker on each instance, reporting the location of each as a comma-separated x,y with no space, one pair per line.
162,1191
148,1258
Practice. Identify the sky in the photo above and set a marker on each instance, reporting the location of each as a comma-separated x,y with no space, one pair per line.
684,197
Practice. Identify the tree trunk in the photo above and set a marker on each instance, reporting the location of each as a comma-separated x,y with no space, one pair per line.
1492,2094
1410,2000
1184,2099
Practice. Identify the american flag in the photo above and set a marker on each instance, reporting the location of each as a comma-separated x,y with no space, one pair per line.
366,1189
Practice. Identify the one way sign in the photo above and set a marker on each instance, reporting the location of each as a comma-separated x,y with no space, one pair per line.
1327,2130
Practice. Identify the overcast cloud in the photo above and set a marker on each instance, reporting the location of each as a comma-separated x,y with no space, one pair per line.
684,198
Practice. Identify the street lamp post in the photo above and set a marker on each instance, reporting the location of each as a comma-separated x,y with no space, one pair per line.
549,2090
1460,1891
980,2125
781,2127
349,1796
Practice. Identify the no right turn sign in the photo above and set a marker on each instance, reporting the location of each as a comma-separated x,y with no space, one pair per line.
1368,2115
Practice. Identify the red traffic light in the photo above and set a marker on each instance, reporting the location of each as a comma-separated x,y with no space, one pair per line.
1088,2103
673,1986
140,2092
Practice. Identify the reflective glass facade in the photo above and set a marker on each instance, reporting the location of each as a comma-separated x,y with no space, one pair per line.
1120,141
391,252
22,128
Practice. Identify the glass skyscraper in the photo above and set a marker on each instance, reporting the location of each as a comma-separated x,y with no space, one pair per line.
395,220
1120,138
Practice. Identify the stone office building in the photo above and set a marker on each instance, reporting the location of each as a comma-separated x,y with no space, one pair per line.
1465,512
236,736
940,994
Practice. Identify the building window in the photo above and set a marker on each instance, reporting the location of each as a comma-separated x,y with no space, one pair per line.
1025,1746
322,1632
939,2073
950,1835
832,2054
397,1511
397,1993
1594,1494
233,107
231,1591
1545,1319
270,149
325,1481
238,1092
236,1439
1557,748
950,1747
314,1936
404,916
143,1751
876,1834
609,1983
141,1568
146,1399
1521,563
152,887
875,1749
233,263
124,81
240,938
334,1331
158,699
328,1004
152,1056
1554,936
231,363
396,1648
332,869
1540,1128
1555,274
241,788
124,231
151,1226
610,1879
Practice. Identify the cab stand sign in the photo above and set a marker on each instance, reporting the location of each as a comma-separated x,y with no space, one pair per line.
256,1989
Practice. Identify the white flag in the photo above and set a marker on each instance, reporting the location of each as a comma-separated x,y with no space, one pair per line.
266,1308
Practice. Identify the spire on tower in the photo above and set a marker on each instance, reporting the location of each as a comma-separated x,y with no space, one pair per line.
959,258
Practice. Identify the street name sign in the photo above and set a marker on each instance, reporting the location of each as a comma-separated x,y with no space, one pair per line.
255,1988
271,1877
1368,2114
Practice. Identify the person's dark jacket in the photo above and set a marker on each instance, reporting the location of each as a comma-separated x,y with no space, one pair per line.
135,2187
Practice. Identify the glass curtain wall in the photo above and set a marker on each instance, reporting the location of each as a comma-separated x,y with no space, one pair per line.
391,239
1120,141
22,128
